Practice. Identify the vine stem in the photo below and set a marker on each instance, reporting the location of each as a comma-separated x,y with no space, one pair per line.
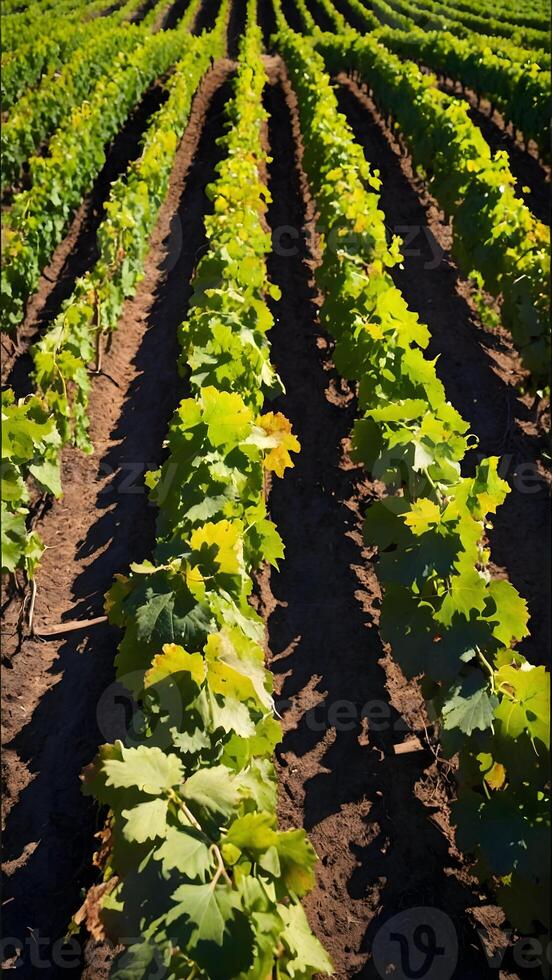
98,365
221,870
30,616
487,666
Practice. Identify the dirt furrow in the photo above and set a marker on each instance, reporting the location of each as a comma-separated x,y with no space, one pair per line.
205,20
142,11
481,370
236,26
351,16
320,16
59,697
267,20
292,16
174,15
378,820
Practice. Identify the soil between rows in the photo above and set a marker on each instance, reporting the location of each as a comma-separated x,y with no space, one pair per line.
481,371
378,821
206,17
236,26
532,178
59,698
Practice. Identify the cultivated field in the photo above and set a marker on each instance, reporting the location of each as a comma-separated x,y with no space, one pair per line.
275,489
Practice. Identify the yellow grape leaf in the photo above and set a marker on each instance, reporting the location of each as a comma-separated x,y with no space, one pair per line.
226,536
233,676
422,515
496,776
278,427
173,660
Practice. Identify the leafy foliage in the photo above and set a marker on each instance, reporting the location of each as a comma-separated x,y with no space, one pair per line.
521,91
42,109
62,356
501,33
444,615
30,459
494,232
39,216
41,55
197,866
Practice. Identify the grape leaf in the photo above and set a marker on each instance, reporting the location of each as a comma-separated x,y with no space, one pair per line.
200,907
187,850
307,955
150,769
212,792
135,962
470,705
227,417
254,832
525,702
512,614
146,821
465,594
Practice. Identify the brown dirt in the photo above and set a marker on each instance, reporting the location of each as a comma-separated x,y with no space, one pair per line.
78,250
170,20
321,17
236,26
142,11
59,695
481,370
379,821
205,20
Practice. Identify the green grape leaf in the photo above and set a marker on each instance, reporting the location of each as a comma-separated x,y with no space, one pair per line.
423,515
48,475
297,860
255,832
187,850
212,792
307,955
465,594
227,417
525,701
200,906
146,821
134,963
14,539
512,614
232,675
150,769
470,705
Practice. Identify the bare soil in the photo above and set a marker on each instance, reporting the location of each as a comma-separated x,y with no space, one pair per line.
236,26
320,15
205,20
480,369
59,694
379,821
